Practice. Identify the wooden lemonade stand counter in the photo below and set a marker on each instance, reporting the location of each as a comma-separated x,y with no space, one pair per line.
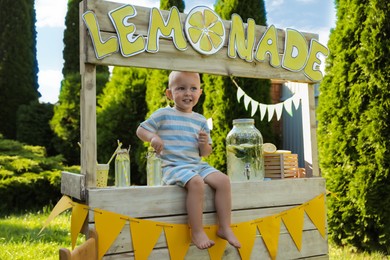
104,41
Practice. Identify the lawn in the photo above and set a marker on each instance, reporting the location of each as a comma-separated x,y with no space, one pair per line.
19,239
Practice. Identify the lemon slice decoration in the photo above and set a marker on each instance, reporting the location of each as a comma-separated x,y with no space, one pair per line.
205,30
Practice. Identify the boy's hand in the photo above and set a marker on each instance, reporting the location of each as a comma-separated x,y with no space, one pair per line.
203,138
204,146
157,144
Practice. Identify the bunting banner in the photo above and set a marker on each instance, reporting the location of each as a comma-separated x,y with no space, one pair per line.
145,233
270,109
269,228
216,251
246,234
108,226
178,240
79,214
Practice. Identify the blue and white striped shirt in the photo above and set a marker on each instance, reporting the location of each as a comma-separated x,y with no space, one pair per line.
179,131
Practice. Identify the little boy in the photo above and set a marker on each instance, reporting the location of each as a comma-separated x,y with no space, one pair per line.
182,137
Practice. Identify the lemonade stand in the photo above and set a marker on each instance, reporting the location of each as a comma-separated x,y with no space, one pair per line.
278,219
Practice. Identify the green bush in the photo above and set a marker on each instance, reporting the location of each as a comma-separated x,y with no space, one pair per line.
28,179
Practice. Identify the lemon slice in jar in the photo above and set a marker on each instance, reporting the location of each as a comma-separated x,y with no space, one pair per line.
269,148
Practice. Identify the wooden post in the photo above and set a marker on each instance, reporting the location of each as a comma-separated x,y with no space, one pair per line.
87,108
309,126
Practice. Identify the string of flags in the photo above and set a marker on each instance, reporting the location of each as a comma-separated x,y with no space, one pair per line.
269,109
145,233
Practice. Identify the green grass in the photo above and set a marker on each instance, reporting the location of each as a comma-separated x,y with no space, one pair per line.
19,239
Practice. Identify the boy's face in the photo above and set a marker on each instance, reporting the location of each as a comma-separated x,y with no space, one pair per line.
184,90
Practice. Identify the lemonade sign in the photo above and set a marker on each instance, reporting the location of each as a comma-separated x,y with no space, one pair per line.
205,31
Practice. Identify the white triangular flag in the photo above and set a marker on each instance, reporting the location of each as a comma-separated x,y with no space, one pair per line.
240,93
278,109
255,106
247,100
271,110
263,110
288,106
210,123
296,100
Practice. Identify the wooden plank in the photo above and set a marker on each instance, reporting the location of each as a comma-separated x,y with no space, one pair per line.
170,200
73,185
87,111
168,57
309,126
141,21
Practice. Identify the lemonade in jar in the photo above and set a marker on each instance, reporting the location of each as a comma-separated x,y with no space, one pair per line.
244,148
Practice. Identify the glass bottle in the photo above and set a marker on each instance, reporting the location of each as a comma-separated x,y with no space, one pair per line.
122,168
153,169
244,148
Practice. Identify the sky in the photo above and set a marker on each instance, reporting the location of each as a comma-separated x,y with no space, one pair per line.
314,16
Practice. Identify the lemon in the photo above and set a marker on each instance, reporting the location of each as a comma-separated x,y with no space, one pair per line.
269,148
205,30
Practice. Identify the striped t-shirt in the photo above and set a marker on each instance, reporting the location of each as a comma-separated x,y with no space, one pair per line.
179,132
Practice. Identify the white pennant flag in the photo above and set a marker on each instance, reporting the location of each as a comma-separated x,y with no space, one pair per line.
247,100
240,93
288,106
263,110
279,109
255,106
271,110
296,100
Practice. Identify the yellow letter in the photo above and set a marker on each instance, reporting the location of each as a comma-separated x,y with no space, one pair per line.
312,70
295,51
269,45
102,49
237,42
119,17
172,28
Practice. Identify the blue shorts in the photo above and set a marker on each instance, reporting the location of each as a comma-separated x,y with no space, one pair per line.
181,174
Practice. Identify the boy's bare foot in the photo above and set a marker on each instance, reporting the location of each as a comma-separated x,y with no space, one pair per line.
228,235
201,240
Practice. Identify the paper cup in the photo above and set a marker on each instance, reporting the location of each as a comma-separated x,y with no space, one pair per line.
102,175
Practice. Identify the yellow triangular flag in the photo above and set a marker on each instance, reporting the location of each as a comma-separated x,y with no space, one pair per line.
269,228
246,234
63,204
216,251
178,240
293,220
144,234
79,213
315,209
108,226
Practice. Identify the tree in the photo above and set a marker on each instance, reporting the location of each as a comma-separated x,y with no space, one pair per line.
33,125
66,120
220,92
18,62
121,109
353,128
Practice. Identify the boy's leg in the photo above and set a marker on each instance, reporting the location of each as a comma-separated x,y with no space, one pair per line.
223,204
194,203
